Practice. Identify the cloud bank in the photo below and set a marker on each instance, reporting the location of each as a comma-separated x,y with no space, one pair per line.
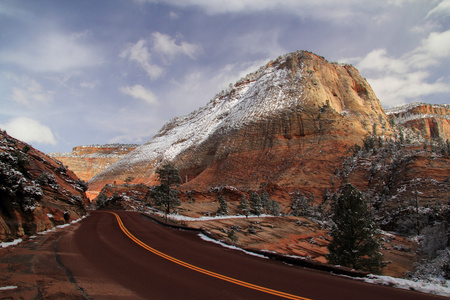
29,130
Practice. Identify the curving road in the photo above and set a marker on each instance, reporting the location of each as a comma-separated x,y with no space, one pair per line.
124,255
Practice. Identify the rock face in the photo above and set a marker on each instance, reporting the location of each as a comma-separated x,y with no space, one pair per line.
289,124
87,161
431,121
36,191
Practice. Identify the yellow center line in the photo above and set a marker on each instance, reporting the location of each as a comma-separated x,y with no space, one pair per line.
198,269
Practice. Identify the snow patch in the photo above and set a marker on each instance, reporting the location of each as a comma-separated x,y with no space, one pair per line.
191,219
9,287
422,286
13,243
208,239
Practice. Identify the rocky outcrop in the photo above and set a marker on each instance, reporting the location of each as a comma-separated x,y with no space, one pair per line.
87,161
289,124
430,121
37,192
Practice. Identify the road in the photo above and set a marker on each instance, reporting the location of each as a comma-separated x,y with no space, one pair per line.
125,255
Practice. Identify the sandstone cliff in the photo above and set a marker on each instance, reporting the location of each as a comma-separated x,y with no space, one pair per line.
429,121
87,161
288,124
36,192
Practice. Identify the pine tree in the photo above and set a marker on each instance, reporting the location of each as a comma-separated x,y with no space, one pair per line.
164,195
255,203
265,202
243,206
354,243
223,206
275,208
299,204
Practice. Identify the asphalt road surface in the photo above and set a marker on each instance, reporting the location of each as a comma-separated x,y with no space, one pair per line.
125,255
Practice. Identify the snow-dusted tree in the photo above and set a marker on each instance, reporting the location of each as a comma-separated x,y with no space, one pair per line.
275,208
299,203
244,206
355,243
265,201
435,239
223,206
233,236
164,195
255,203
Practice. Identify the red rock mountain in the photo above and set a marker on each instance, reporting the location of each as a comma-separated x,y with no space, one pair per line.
36,192
289,124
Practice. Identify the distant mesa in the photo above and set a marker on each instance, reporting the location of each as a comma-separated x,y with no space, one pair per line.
87,161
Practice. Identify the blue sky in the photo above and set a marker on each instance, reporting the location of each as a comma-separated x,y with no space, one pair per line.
114,71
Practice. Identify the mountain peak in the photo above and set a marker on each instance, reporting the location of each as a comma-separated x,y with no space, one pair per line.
297,95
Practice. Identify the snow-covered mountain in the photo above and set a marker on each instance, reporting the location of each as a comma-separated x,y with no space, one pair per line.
290,102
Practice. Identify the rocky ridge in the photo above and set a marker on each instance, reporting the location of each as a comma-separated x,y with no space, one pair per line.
37,192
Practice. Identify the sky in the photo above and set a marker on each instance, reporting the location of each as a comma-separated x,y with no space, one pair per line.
115,71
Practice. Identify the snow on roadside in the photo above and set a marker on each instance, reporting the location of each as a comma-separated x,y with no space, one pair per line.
191,219
17,241
421,286
9,287
62,226
13,243
208,239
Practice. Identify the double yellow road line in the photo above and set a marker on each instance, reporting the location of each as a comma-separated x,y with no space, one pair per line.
206,272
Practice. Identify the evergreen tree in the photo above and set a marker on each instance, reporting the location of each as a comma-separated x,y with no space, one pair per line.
255,203
275,208
354,243
223,206
299,204
164,195
233,236
265,202
244,206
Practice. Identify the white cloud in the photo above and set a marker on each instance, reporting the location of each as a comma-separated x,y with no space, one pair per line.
438,43
29,130
163,45
343,11
53,52
397,80
378,60
166,46
139,92
139,53
27,91
442,8
394,90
